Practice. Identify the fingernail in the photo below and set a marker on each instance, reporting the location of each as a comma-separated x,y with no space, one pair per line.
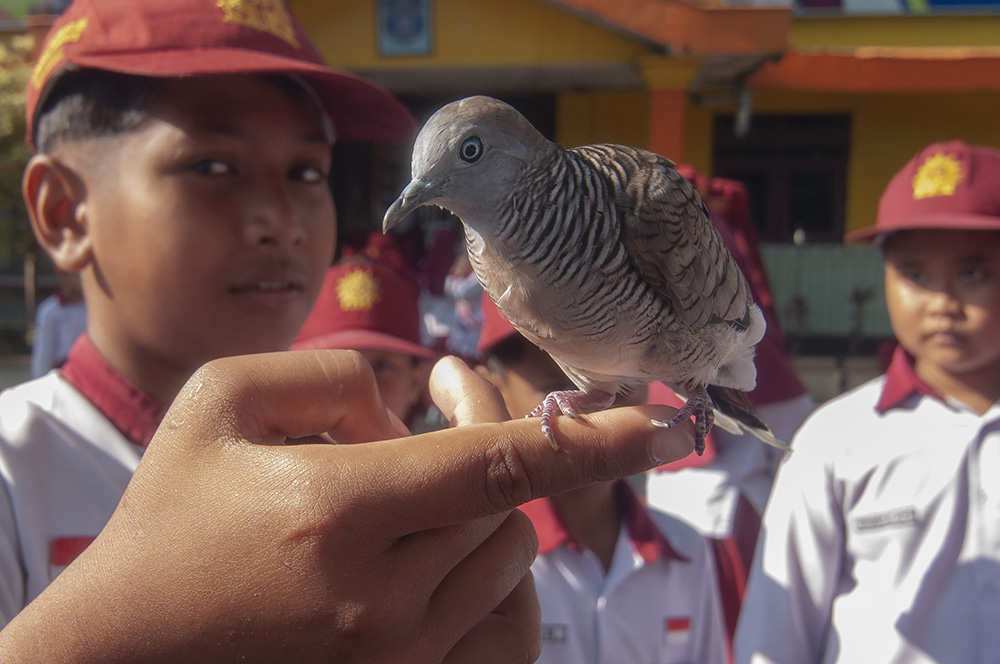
672,444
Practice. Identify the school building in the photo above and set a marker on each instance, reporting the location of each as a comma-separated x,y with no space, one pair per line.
812,104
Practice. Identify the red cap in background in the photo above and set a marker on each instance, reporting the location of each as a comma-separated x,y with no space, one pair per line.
172,38
365,306
496,328
949,185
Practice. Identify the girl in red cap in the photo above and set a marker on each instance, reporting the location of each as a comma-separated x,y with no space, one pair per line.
881,538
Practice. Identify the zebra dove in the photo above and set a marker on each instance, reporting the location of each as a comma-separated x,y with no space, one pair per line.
602,255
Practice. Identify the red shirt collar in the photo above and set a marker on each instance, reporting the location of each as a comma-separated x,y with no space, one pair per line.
901,381
132,411
646,537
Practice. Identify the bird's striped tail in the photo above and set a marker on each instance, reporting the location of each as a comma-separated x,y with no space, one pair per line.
733,413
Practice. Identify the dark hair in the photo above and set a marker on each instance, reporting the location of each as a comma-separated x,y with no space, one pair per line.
89,103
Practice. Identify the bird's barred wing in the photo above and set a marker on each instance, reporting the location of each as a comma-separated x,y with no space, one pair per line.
668,233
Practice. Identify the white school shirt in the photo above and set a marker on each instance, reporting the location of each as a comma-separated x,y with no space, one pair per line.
657,604
881,540
64,465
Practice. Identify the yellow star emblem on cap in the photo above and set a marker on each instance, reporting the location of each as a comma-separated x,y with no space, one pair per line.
53,54
266,15
937,176
358,290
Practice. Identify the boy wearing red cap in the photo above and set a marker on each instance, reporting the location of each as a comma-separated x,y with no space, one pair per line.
181,168
369,307
617,581
881,539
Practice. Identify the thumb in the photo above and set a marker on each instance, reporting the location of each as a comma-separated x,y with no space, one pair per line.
463,396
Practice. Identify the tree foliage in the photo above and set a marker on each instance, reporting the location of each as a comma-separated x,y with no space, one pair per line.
15,234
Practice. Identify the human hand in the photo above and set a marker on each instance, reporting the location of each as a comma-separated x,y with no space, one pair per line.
231,545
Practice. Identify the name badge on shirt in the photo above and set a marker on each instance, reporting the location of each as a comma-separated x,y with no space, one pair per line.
903,516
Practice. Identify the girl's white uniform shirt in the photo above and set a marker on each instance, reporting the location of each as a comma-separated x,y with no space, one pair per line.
881,540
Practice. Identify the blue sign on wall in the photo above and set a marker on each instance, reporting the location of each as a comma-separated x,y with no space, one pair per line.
404,27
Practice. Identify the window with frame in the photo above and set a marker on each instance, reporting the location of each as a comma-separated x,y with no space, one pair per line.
795,171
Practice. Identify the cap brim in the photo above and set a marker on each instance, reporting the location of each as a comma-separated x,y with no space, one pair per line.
365,340
942,221
360,110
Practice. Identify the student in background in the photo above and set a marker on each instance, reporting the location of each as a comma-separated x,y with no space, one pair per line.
60,319
881,540
723,492
368,306
617,581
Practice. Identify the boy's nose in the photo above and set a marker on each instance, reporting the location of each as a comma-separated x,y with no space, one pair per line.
943,302
272,218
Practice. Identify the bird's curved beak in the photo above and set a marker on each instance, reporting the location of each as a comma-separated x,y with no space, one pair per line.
412,197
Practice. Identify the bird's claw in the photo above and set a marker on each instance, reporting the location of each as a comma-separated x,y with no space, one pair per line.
698,405
569,403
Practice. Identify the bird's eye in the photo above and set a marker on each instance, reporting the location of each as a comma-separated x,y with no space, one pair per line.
471,150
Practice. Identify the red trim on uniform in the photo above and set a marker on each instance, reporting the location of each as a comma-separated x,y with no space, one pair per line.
132,411
64,550
733,557
549,527
901,381
645,536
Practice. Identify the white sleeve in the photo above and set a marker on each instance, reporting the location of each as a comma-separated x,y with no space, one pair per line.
12,583
786,611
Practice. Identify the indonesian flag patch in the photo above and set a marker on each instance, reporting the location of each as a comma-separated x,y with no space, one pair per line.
676,630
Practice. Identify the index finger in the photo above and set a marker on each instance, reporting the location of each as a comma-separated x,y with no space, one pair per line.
420,482
455,475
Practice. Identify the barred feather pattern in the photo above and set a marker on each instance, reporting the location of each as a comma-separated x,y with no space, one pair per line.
623,280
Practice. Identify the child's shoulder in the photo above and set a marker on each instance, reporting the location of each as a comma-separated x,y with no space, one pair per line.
39,405
844,418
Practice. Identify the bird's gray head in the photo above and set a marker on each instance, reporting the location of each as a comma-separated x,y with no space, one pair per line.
466,159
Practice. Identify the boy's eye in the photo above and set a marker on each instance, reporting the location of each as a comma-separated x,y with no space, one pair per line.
308,174
972,274
914,276
212,167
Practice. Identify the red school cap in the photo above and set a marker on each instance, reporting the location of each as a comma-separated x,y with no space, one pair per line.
948,186
174,38
496,328
364,305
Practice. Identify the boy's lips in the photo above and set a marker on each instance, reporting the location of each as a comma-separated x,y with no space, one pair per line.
273,290
944,337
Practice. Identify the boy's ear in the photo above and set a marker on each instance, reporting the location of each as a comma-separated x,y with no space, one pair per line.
54,195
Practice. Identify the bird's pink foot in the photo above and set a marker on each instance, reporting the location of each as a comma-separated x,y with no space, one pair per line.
571,403
700,405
